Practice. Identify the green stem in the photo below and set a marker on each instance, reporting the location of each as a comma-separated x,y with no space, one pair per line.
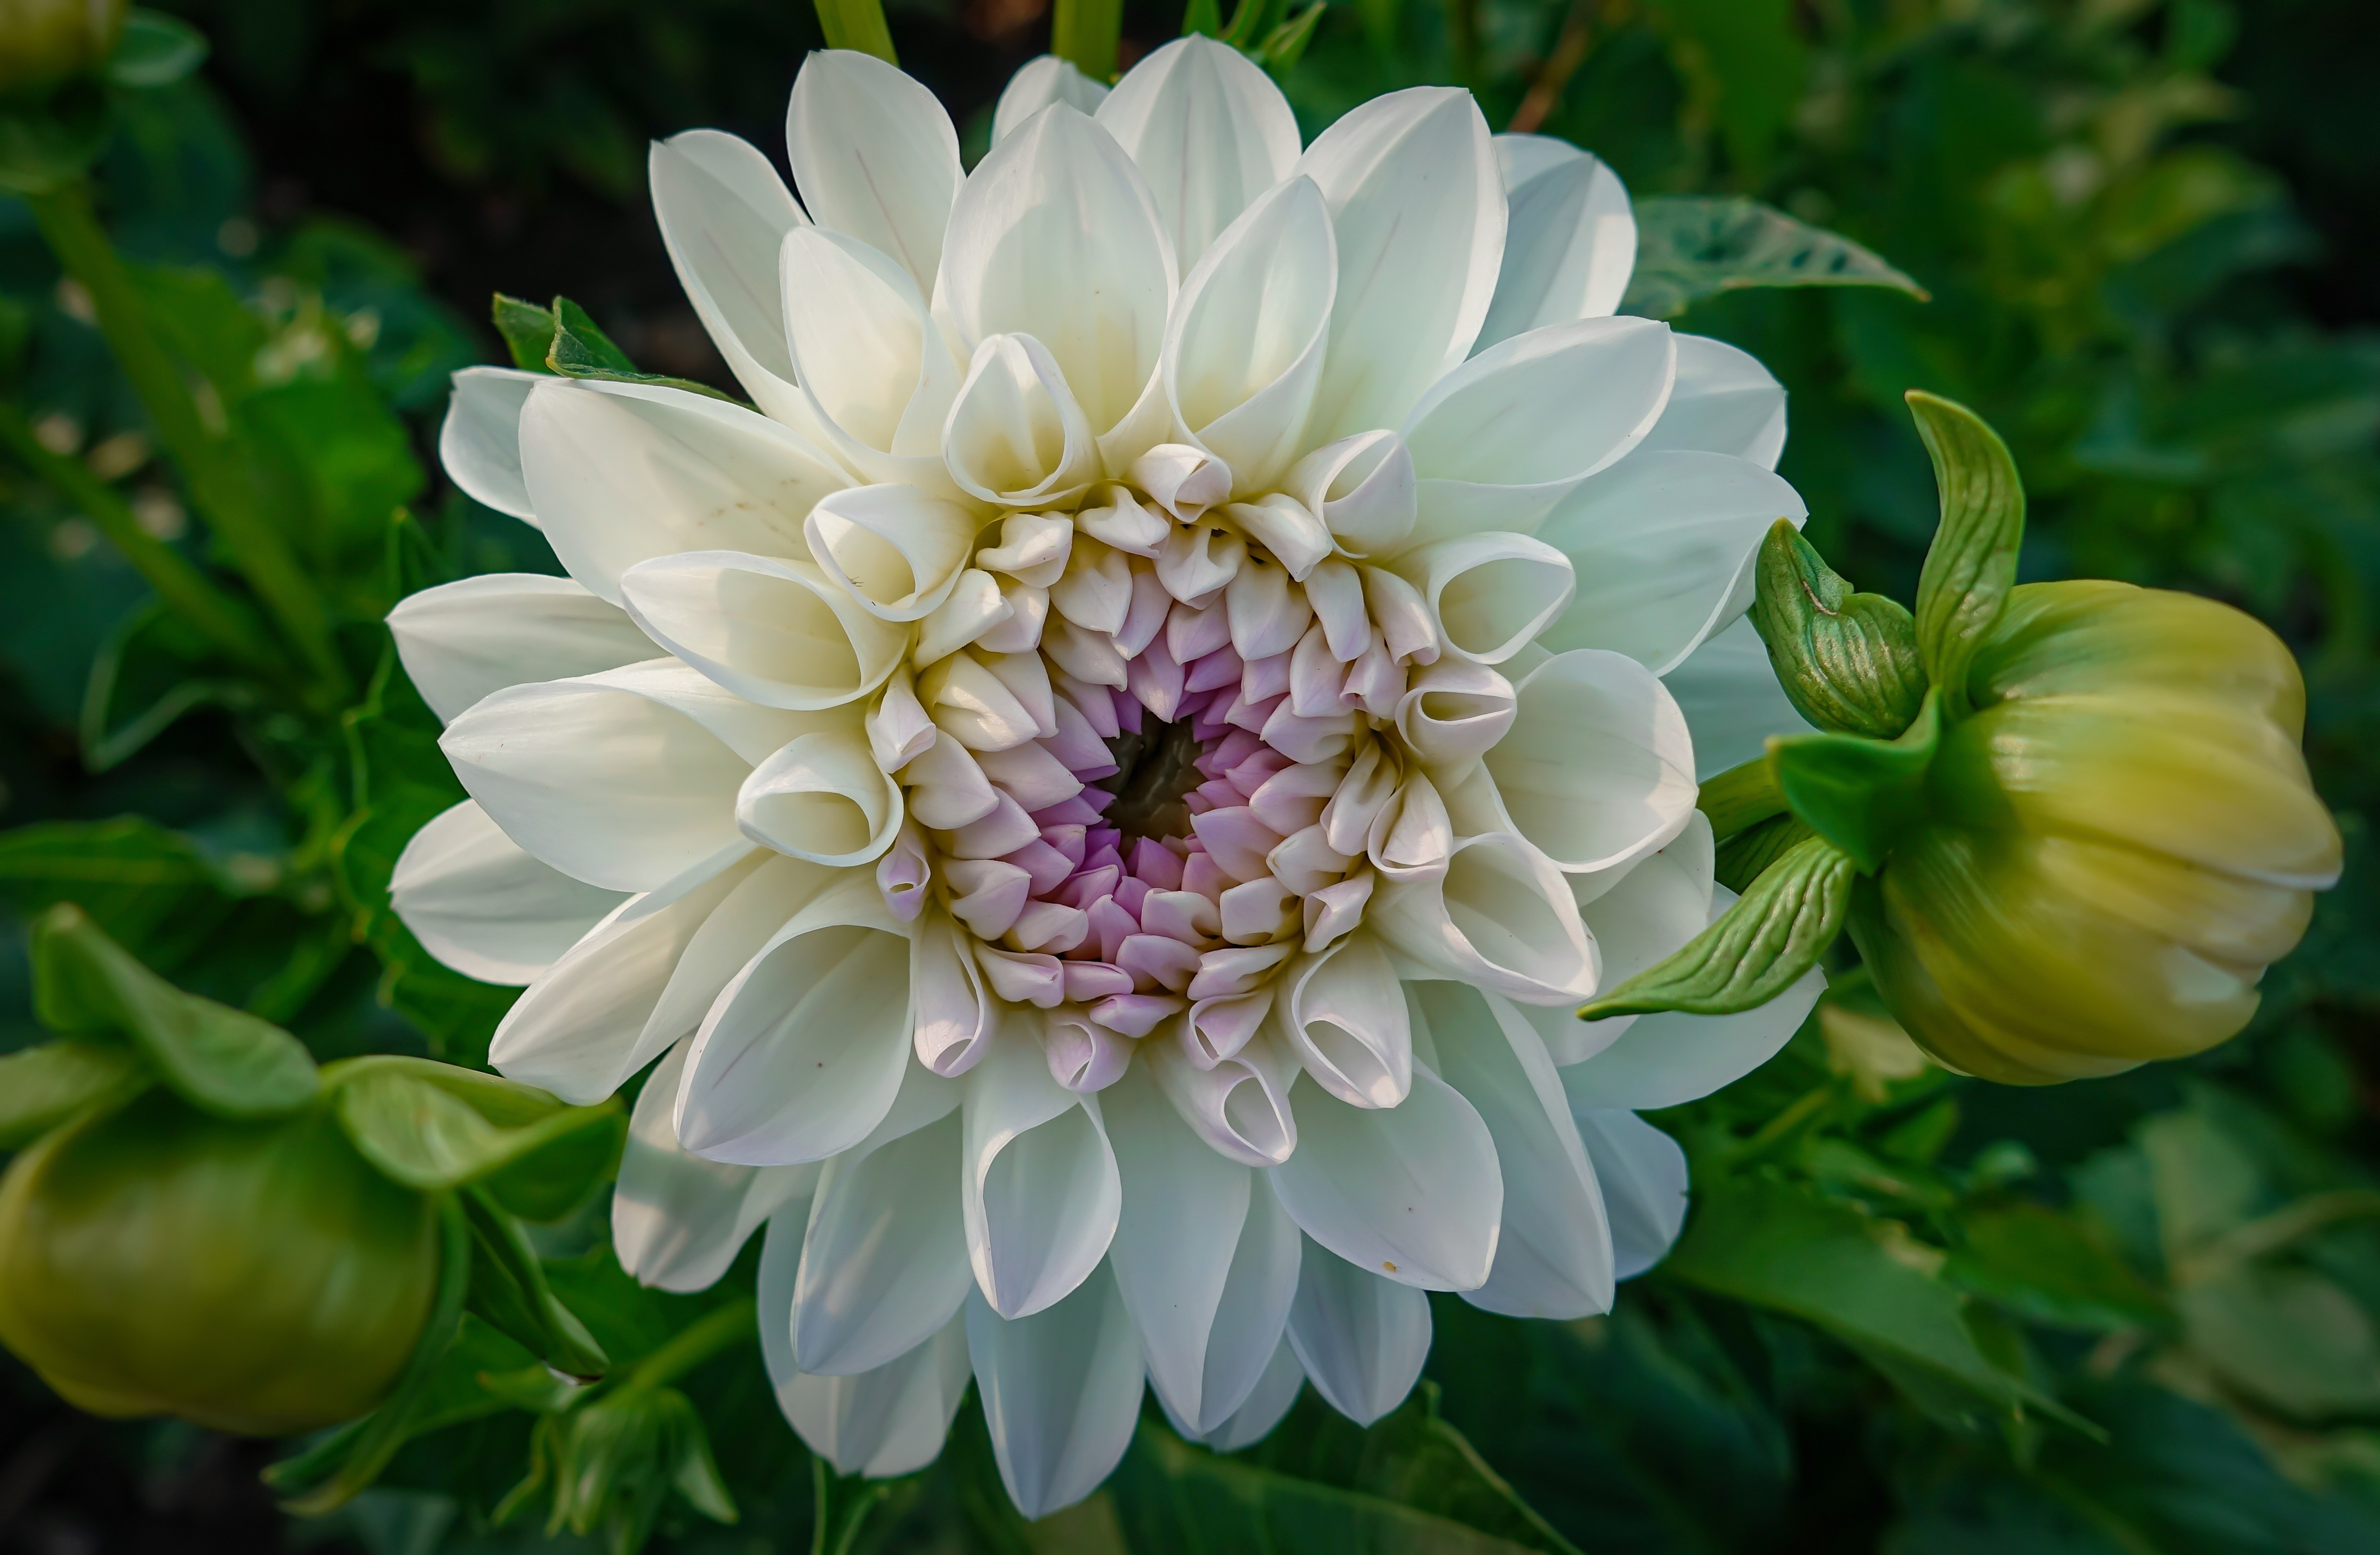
218,484
707,1336
1085,33
1462,40
857,24
224,620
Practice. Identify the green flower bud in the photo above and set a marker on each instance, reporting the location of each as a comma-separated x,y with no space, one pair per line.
253,1276
2118,840
45,42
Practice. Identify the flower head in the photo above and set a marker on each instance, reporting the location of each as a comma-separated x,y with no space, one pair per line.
1102,791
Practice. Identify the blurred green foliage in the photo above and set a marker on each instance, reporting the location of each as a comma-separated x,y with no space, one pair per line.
1914,1313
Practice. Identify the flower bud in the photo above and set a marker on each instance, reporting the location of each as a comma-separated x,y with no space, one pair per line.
2121,838
251,1276
45,42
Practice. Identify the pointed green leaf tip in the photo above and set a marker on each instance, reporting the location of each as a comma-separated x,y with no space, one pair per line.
218,1059
1848,661
1861,795
1756,950
1972,564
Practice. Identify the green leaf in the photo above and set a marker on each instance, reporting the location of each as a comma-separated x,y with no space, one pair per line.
1741,798
1744,858
150,672
156,50
218,1059
1861,795
580,349
41,1088
2052,1268
527,331
1972,564
1758,947
1174,1498
46,143
1776,1246
343,1463
509,1290
1690,247
1285,44
427,1137
1848,661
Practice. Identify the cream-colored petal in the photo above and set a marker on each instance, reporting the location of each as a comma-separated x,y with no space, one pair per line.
884,1264
897,550
823,797
484,905
1723,402
1598,768
1014,435
1729,693
1455,712
874,155
1345,1019
678,1220
873,362
1488,595
1363,488
1209,131
461,640
478,443
777,631
1573,242
1040,1185
1239,1105
1040,82
1501,916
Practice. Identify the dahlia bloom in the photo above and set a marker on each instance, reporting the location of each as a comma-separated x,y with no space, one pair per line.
1097,796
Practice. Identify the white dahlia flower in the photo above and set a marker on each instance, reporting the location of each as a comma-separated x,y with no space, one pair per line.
1098,796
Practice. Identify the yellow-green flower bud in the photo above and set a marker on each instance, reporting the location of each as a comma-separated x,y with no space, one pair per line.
2121,838
251,1276
45,42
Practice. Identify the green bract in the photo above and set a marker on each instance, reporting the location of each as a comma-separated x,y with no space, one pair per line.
252,1277
2070,820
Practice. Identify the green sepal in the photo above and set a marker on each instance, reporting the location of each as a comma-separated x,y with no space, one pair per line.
610,1462
1744,858
1758,947
1741,798
41,1088
1861,795
218,1059
1848,661
581,350
527,331
1972,564
156,50
509,1293
432,1126
343,1463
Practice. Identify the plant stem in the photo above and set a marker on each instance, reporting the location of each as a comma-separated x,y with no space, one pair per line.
857,24
1085,33
1545,89
1462,40
226,622
1741,798
694,1345
219,485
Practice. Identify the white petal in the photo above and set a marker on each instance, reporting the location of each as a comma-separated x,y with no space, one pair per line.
461,640
1663,545
1016,435
1345,1015
723,213
956,1015
1360,1337
1489,594
874,155
1643,1177
1723,402
624,779
579,1029
620,473
479,443
1410,1191
1038,82
1061,1392
1573,243
1363,489
1668,1059
678,1220
823,797
1553,1255
1207,1267
1268,1401
1209,131
1503,438
884,1265
484,905
873,363
895,549
763,903
1041,1192
1238,1105
1243,353
1418,208
1500,916
887,1422
1728,691
1456,711
1054,237
802,1054
1598,769
1639,913
780,633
